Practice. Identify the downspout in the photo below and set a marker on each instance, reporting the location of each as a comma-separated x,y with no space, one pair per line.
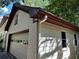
38,23
43,20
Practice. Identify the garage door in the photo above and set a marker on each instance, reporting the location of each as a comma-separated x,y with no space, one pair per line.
18,45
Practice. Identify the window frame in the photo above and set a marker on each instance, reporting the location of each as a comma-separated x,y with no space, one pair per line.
63,36
75,39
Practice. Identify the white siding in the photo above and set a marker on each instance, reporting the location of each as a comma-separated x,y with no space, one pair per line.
3,33
24,23
77,48
54,50
48,49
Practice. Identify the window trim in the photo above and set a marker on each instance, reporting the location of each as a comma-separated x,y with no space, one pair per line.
63,36
75,39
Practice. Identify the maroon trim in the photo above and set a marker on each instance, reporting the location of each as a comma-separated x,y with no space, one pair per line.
57,21
23,31
31,10
4,20
11,18
39,14
9,43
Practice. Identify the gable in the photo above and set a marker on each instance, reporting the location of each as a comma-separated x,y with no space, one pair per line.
23,21
32,11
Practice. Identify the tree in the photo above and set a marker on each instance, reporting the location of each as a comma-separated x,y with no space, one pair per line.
65,8
36,3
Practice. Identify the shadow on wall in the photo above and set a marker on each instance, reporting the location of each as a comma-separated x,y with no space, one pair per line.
51,48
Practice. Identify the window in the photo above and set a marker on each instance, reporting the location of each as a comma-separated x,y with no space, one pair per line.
75,39
16,19
63,35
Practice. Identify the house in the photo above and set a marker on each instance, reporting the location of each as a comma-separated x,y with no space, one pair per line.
33,33
3,33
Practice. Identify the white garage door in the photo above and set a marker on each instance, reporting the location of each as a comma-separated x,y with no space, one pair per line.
18,45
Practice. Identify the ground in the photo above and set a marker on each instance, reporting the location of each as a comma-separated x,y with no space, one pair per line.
5,55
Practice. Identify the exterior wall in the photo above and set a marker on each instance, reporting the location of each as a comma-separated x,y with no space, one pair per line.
50,42
24,23
49,39
3,34
77,48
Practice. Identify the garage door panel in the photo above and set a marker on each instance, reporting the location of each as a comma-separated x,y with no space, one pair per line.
17,48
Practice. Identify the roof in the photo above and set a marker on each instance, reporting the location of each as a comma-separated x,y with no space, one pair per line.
39,13
31,10
3,20
58,21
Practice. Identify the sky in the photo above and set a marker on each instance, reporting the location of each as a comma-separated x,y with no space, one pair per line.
6,10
